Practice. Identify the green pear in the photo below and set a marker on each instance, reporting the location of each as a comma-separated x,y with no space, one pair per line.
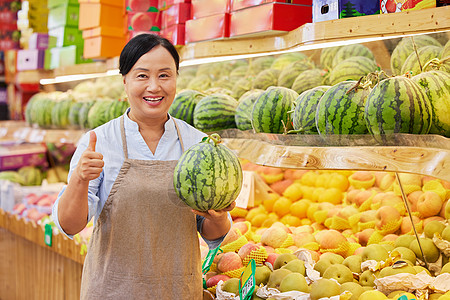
353,262
296,266
367,278
392,270
262,274
327,259
446,232
374,252
324,288
276,277
421,269
432,227
338,272
404,240
353,288
231,286
406,254
445,268
294,282
283,259
430,251
388,247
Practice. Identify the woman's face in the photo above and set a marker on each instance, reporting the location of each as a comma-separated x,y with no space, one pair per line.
151,85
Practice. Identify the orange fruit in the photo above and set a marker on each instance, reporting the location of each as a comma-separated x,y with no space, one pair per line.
268,203
338,181
281,206
290,220
332,195
309,178
300,208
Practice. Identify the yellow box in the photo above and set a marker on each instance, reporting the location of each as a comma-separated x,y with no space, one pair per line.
103,42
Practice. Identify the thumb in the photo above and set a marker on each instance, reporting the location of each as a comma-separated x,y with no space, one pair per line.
92,141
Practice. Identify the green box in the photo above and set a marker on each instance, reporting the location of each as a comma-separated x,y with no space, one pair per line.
53,3
63,15
67,36
71,55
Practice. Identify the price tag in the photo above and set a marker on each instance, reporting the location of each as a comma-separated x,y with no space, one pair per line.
247,281
48,235
246,196
209,259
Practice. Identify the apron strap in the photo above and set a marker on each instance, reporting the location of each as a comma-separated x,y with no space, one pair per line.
124,140
179,135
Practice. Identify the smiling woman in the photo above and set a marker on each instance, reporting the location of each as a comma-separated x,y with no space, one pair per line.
119,175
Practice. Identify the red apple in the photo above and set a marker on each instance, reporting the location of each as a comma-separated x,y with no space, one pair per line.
271,258
213,281
229,261
247,249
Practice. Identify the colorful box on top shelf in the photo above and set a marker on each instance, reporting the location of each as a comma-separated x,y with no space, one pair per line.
66,36
64,56
240,4
325,10
141,5
391,6
175,34
101,13
144,21
163,4
132,34
63,15
9,39
269,18
208,28
203,8
103,42
54,3
41,41
176,14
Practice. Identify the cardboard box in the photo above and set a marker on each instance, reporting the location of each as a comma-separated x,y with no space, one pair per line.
175,34
204,8
41,41
65,56
208,28
391,6
31,59
163,4
54,3
141,5
176,14
66,36
325,10
240,4
94,14
270,18
63,15
144,21
103,42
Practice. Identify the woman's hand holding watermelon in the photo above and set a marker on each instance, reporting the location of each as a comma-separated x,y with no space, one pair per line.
216,222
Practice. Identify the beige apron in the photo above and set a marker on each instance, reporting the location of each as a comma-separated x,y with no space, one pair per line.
145,242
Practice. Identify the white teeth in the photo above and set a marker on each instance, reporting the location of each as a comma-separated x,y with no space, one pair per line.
153,99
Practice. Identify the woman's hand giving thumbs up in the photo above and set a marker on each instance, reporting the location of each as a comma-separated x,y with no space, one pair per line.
91,163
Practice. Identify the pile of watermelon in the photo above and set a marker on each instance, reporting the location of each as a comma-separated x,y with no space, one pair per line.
345,93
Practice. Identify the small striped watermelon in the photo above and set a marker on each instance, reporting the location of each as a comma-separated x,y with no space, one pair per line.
116,109
288,74
286,59
200,83
243,116
270,111
445,55
266,78
327,55
352,50
259,64
307,80
304,118
98,112
184,104
208,175
215,112
60,111
352,68
74,113
426,54
341,110
84,113
397,105
437,88
241,86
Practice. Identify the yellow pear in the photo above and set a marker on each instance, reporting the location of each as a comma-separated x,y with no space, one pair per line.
353,288
276,277
296,266
445,268
430,251
294,282
432,227
324,288
283,259
353,262
338,272
404,240
327,259
231,286
367,278
372,295
374,252
262,274
397,269
406,254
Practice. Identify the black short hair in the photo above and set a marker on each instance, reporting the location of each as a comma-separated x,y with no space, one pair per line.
140,45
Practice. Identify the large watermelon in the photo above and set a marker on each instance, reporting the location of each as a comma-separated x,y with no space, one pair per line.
307,80
405,47
61,110
327,55
304,118
289,73
341,110
445,55
352,50
437,88
243,116
259,64
200,83
215,112
426,54
270,111
116,109
397,105
184,104
208,175
352,68
84,113
97,113
31,107
266,78
241,86
238,72
286,59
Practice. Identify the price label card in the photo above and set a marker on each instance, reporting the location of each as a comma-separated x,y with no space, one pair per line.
247,281
209,259
48,235
245,197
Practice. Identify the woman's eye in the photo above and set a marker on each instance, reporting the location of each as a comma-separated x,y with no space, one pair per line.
142,76
164,75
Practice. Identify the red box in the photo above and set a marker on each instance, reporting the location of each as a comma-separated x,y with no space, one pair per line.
141,5
176,14
269,18
163,4
175,33
144,21
391,6
204,8
239,4
208,28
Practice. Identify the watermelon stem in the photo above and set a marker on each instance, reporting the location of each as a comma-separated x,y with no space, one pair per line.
215,138
417,54
435,63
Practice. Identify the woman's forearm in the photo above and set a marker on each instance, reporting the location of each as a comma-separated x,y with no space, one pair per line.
212,230
73,205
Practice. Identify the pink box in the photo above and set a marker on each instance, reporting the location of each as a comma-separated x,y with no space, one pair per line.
141,5
239,4
175,34
176,14
203,8
16,156
269,18
163,4
144,21
31,59
208,28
